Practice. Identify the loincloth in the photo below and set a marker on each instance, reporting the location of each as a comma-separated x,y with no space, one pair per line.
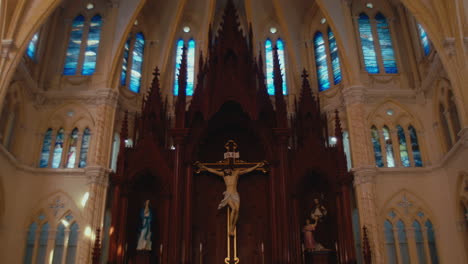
234,197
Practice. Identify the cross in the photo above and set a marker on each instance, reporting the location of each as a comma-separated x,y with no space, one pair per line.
405,204
56,206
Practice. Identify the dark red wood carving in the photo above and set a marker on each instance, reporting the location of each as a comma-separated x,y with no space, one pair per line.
231,102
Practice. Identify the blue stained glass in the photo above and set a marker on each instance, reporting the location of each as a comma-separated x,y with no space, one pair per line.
180,45
281,58
84,148
321,62
386,46
424,40
415,147
432,242
137,63
123,75
72,244
58,149
335,59
418,236
74,46
72,148
403,147
269,66
32,46
403,243
92,46
377,148
42,249
390,242
45,152
367,44
59,244
388,147
347,149
190,67
30,241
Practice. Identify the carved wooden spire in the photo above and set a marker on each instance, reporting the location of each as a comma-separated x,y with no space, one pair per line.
281,114
181,98
97,248
366,250
123,139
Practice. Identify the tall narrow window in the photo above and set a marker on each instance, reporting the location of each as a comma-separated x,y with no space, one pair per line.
403,242
377,148
179,50
43,239
415,147
32,46
432,242
30,241
445,127
72,148
335,59
123,75
367,44
74,46
84,148
347,149
386,46
46,146
424,40
403,147
59,244
72,244
269,65
390,243
418,236
137,63
58,149
92,46
190,66
454,118
281,58
321,62
388,147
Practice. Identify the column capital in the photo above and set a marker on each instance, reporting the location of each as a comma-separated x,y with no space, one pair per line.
355,94
363,175
97,174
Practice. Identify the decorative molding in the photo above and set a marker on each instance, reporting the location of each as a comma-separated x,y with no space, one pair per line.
97,175
363,175
98,97
354,95
8,45
449,45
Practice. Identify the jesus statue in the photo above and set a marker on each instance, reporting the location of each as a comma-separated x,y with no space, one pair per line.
231,198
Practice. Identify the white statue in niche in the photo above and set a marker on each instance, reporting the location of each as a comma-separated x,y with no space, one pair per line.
144,239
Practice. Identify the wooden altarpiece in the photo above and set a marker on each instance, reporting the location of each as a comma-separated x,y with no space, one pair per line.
231,102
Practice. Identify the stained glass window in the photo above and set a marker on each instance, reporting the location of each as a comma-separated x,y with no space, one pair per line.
386,46
137,63
74,46
335,59
190,67
424,40
84,148
419,238
72,244
269,66
282,62
59,244
58,149
388,147
390,243
432,242
321,62
454,118
32,46
30,241
72,148
377,148
347,150
123,75
92,46
403,147
403,242
45,152
415,147
367,44
42,249
179,50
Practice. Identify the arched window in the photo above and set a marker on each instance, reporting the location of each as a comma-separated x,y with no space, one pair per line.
424,40
384,42
92,46
58,149
75,61
321,62
415,147
30,242
137,63
32,46
72,244
72,149
269,65
419,238
126,53
335,59
347,149
454,119
445,126
432,242
59,244
84,148
390,242
115,152
46,146
376,146
388,147
190,66
43,239
403,147
403,242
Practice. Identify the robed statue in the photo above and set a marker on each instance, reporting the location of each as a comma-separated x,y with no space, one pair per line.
144,238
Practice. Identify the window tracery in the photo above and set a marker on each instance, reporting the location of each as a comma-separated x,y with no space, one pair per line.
132,62
449,120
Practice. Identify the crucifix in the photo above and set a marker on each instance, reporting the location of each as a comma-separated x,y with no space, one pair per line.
230,169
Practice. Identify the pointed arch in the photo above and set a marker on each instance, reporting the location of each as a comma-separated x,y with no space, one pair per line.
58,149
72,149
126,53
179,50
92,46
425,43
84,148
269,66
74,46
334,57
137,63
46,147
282,62
190,67
321,62
385,43
367,44
32,46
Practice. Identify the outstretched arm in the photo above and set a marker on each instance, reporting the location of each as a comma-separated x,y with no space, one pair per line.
261,164
203,167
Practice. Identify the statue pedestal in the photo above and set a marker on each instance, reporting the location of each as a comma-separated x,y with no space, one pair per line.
143,257
320,257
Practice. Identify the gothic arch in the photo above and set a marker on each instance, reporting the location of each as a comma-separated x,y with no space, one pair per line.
417,204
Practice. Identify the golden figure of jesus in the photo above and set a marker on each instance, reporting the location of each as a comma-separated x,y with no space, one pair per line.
231,198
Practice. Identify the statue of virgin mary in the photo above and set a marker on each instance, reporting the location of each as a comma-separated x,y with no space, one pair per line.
144,238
